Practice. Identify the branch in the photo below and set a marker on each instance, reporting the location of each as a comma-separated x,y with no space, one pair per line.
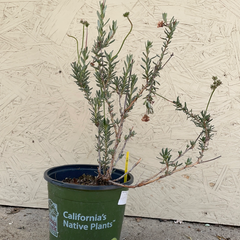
151,180
127,171
124,145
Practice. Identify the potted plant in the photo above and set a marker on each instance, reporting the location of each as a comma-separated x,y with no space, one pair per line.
88,201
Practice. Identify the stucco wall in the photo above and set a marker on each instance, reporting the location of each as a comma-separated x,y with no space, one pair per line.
44,118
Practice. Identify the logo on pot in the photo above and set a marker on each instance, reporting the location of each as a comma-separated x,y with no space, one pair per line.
53,218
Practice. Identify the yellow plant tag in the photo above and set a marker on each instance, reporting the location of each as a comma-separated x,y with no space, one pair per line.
126,166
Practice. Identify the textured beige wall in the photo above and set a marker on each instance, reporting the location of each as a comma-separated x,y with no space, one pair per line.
44,118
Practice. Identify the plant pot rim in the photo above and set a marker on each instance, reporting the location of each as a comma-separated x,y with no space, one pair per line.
54,175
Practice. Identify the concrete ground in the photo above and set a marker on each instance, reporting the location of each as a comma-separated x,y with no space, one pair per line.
32,224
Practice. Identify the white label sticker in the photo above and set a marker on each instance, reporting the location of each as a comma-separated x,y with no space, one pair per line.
123,198
53,218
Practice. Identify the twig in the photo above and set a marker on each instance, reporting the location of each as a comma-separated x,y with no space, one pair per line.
155,178
187,149
167,60
99,153
124,145
127,93
221,237
128,171
210,160
111,117
187,236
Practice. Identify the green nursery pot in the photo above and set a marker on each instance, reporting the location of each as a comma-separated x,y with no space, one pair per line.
78,212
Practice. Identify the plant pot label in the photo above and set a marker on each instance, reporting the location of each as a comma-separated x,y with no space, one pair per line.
53,218
82,222
123,198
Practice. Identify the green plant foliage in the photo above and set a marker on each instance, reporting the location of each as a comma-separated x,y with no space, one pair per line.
117,92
